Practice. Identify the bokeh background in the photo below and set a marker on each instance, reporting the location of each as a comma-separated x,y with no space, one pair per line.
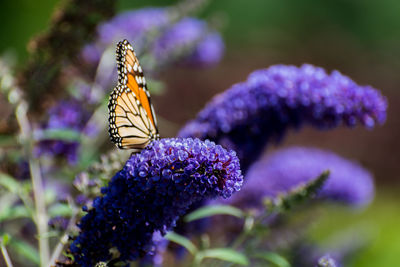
359,38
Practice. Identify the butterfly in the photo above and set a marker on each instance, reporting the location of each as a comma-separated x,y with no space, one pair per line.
132,120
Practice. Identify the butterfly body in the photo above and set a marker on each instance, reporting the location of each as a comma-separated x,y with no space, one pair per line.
132,119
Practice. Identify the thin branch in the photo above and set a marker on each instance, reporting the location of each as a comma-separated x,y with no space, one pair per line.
63,240
15,97
6,256
37,181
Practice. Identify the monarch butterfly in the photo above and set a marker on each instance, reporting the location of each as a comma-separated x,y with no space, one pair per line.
132,121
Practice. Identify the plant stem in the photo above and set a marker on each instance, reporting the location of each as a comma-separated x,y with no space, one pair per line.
6,256
37,181
247,228
41,215
59,248
198,257
15,97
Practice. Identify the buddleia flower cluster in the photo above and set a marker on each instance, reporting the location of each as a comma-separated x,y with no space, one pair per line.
153,189
260,110
252,114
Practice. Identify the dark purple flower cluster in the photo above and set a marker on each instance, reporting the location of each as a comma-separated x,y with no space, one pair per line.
154,188
289,168
192,39
66,115
189,41
248,115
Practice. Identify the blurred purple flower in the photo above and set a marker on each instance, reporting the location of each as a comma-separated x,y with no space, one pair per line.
66,115
86,93
156,260
191,42
91,53
21,170
154,188
289,168
327,261
82,200
250,114
208,51
59,223
58,148
58,188
307,254
131,25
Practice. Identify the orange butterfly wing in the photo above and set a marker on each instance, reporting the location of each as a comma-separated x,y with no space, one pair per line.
131,116
131,74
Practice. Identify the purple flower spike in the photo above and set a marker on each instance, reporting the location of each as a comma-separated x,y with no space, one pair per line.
193,36
250,114
289,168
66,115
154,188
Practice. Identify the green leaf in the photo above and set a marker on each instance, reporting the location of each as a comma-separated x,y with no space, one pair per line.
68,255
60,209
58,134
7,200
224,254
12,213
273,258
9,183
5,239
183,241
50,195
26,250
213,210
